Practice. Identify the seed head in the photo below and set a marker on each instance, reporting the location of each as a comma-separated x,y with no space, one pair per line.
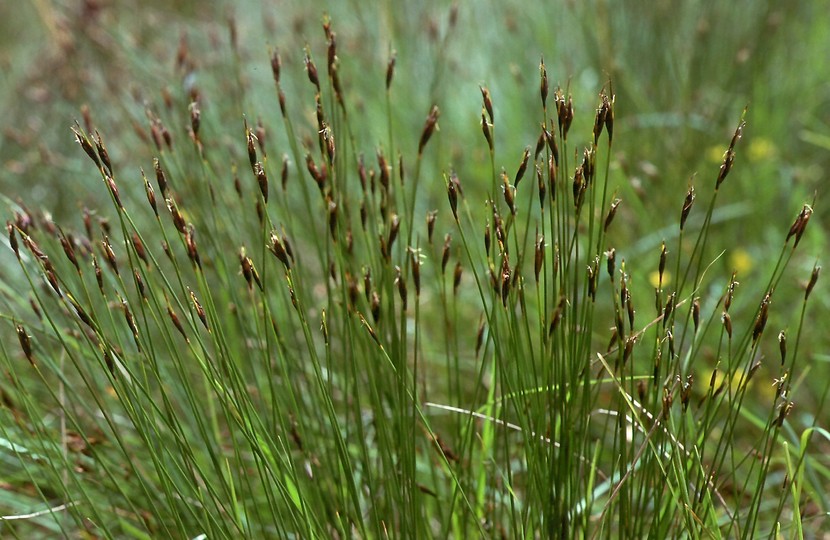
429,127
81,139
400,281
161,180
487,102
262,180
812,282
200,311
390,69
415,264
445,252
782,345
543,84
539,255
612,211
487,130
687,206
727,324
452,194
13,239
278,249
456,281
800,224
311,69
25,344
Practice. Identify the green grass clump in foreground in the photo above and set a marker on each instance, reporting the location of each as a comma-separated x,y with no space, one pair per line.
296,335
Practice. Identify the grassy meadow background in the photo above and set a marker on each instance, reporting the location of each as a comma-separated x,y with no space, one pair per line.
291,409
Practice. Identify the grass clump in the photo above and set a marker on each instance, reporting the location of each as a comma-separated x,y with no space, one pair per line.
292,333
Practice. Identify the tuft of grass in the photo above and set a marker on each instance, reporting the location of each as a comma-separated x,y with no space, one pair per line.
273,339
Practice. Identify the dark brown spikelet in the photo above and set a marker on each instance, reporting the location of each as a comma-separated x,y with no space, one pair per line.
248,270
696,313
25,343
13,238
543,83
522,167
552,146
487,102
390,69
556,316
667,312
540,180
176,322
139,248
161,179
69,250
612,211
505,280
288,248
200,311
599,118
452,195
783,412
113,189
400,281
128,315
195,119
284,172
761,320
109,254
579,188
383,166
687,206
429,128
609,117
812,283
251,146
151,194
262,180
415,265
727,324
445,252
102,152
662,266
178,220
369,329
82,140
540,144
782,345
487,130
139,284
394,227
311,70
374,306
611,263
99,275
456,280
539,255
192,250
800,223
729,156
507,189
431,216
278,249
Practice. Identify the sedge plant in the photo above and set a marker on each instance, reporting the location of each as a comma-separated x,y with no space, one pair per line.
298,335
